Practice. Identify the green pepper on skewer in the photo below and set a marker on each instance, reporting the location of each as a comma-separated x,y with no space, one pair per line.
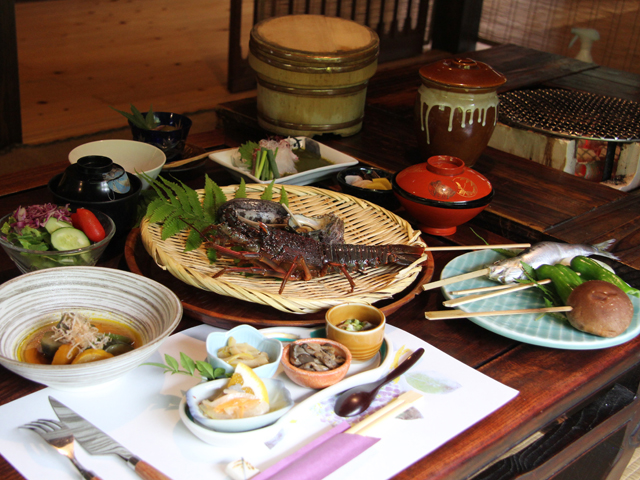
589,269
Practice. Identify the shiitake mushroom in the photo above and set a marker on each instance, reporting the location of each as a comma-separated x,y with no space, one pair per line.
600,308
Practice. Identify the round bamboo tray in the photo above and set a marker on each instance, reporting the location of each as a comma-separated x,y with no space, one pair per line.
365,223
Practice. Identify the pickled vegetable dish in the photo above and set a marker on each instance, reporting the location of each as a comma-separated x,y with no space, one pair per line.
76,339
234,353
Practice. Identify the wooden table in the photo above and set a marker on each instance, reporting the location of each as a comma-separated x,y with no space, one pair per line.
577,409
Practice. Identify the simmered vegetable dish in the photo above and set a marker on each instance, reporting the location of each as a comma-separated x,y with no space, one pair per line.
77,339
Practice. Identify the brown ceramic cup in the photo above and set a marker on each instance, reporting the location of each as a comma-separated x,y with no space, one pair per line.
365,344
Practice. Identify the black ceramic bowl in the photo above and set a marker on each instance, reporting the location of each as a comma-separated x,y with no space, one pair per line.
384,198
171,142
123,211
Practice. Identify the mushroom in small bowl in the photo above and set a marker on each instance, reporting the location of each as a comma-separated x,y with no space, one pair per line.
315,362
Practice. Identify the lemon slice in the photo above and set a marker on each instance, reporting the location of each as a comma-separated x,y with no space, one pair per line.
249,381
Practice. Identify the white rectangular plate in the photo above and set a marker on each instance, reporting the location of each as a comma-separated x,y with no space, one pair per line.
339,160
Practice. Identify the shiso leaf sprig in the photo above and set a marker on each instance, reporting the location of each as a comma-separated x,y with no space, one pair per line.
203,369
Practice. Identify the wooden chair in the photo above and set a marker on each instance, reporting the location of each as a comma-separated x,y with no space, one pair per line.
400,24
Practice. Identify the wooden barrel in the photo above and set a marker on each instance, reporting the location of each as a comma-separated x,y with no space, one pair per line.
312,73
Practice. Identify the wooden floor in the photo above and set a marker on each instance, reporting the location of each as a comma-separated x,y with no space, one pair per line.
79,57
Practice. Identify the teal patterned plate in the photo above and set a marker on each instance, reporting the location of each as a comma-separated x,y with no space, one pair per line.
545,331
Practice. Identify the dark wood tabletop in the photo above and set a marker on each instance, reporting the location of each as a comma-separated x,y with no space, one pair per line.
576,414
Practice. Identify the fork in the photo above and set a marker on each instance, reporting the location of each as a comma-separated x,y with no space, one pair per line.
58,435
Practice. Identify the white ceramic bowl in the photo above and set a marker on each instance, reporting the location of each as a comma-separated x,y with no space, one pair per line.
280,402
252,336
134,157
35,299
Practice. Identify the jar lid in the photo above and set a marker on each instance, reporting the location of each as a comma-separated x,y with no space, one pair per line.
445,179
462,72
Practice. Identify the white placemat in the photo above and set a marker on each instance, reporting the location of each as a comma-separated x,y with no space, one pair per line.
140,411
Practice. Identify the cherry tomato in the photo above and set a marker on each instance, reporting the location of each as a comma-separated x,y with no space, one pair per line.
86,221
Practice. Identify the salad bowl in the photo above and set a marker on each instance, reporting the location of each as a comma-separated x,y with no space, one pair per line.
29,260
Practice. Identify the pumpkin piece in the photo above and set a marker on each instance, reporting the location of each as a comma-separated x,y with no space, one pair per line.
91,355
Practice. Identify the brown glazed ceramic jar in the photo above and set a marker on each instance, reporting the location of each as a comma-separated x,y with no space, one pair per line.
456,108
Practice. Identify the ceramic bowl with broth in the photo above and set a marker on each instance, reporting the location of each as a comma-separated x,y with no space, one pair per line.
363,344
36,299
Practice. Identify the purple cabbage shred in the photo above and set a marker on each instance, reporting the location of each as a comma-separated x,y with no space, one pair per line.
36,216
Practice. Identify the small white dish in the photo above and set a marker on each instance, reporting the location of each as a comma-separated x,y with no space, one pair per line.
339,160
280,402
252,336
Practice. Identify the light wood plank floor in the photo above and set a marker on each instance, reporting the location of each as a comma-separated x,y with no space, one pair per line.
78,57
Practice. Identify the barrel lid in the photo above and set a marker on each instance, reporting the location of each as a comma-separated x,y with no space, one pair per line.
462,72
314,38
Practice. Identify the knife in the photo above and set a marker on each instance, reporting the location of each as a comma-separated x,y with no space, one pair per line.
96,442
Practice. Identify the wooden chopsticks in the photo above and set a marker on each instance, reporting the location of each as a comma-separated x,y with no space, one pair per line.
390,410
451,314
180,163
477,247
507,289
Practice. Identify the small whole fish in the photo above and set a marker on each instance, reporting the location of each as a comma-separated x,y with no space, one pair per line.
549,253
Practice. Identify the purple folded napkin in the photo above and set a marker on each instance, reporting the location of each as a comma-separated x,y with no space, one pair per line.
321,457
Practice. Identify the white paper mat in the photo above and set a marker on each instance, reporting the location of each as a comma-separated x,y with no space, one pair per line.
140,411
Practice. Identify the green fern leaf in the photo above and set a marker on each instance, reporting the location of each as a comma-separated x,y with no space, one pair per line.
172,226
241,192
194,240
209,202
218,195
268,192
160,213
284,199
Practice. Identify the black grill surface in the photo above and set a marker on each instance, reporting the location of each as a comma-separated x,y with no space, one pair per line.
572,114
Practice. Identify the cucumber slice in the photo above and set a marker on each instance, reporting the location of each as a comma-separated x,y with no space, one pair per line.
54,224
69,238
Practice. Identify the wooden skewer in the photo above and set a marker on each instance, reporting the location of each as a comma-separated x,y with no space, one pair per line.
468,291
391,410
451,314
477,247
180,163
456,278
511,288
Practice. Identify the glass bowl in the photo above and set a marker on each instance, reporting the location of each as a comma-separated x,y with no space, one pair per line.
31,260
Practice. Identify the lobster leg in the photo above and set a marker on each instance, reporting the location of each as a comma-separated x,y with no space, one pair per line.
297,262
252,257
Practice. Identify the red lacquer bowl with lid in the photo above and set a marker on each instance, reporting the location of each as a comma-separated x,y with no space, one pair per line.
442,193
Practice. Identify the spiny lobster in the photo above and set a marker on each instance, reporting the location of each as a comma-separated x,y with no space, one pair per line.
263,230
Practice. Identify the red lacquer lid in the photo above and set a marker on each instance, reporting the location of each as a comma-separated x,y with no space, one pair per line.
462,73
444,179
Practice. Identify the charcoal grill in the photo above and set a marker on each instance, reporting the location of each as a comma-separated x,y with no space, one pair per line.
574,114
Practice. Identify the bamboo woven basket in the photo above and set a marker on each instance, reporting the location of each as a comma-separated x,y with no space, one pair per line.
365,223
